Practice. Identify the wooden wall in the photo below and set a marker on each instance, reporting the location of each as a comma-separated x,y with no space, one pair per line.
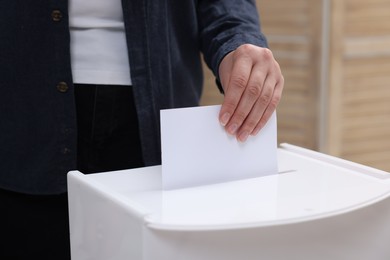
359,88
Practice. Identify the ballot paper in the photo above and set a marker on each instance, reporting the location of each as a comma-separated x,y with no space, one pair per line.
196,149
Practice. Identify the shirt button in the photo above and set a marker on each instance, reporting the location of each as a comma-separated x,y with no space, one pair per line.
62,87
66,151
56,15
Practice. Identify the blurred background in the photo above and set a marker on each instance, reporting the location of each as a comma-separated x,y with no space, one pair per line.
335,57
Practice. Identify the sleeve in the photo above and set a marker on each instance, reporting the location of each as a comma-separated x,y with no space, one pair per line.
224,25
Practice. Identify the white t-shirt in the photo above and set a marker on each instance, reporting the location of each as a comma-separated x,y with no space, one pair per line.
98,42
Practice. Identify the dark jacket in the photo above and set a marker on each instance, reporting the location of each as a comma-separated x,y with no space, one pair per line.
37,107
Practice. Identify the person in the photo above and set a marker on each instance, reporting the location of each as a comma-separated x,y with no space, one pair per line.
82,83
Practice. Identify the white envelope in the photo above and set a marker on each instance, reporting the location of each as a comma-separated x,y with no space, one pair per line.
196,150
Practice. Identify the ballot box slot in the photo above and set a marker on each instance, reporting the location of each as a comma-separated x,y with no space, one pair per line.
335,161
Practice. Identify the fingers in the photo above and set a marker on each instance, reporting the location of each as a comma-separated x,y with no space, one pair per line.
253,92
239,76
277,94
256,108
249,111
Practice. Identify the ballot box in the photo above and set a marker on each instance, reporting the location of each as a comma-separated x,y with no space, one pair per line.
317,207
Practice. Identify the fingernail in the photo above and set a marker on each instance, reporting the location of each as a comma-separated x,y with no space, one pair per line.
232,129
243,137
225,118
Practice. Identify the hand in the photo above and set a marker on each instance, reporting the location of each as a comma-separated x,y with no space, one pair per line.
253,85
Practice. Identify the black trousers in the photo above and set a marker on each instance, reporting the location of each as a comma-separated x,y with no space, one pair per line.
37,226
108,135
34,226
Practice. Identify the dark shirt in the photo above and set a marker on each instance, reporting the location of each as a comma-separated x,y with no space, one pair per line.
37,108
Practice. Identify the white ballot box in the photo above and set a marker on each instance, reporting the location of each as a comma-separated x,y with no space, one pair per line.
317,207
